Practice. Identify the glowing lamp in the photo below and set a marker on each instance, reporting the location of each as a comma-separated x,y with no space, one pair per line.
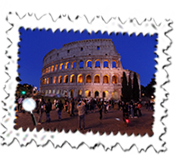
127,120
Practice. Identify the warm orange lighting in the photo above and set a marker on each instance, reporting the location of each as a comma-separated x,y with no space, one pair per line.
54,79
47,80
59,79
56,66
72,78
96,78
52,68
80,79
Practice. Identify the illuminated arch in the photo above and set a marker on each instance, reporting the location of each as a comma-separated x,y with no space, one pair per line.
61,66
89,63
67,65
97,63
87,93
97,78
65,79
105,79
71,93
114,64
54,79
52,68
56,67
80,78
115,95
60,79
73,65
105,94
58,91
72,78
114,79
79,92
49,70
45,81
88,78
106,64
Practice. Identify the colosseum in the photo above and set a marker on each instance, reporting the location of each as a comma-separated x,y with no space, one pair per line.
87,68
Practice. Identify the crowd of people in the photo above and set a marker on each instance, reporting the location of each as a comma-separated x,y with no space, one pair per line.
84,106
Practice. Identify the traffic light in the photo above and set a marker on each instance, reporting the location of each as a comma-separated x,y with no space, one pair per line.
23,92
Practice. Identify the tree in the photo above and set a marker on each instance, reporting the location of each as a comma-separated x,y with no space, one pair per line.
149,89
135,88
130,92
125,96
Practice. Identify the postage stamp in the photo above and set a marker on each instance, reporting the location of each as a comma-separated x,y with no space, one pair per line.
82,81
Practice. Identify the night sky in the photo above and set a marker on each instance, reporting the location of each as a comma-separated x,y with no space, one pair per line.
137,52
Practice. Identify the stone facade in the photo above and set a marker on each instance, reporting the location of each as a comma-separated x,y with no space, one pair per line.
89,68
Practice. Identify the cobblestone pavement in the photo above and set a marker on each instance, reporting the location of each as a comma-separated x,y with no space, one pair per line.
108,124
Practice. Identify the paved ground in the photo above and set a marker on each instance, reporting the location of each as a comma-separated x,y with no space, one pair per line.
108,124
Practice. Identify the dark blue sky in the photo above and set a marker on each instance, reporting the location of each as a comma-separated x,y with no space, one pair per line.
137,53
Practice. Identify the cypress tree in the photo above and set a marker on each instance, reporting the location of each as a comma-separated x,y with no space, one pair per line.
130,92
124,88
135,88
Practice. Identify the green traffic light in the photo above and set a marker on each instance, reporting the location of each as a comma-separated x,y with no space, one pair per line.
23,92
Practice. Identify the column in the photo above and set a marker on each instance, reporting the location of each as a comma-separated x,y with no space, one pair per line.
101,78
101,63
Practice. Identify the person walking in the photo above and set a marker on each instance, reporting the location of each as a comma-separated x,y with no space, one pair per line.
81,114
72,105
59,108
100,106
40,110
132,109
125,111
48,108
20,100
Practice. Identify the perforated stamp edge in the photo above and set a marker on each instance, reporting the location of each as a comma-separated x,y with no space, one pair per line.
115,24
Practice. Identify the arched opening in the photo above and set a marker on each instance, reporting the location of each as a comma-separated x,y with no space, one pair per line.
73,65
80,78
56,67
67,65
54,79
97,63
47,80
58,91
106,64
61,66
96,78
65,79
59,79
71,93
88,79
114,79
72,78
87,93
114,64
96,94
79,93
64,92
52,68
105,94
89,63
105,79
81,64
115,95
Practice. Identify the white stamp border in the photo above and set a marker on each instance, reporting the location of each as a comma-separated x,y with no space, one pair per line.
76,139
